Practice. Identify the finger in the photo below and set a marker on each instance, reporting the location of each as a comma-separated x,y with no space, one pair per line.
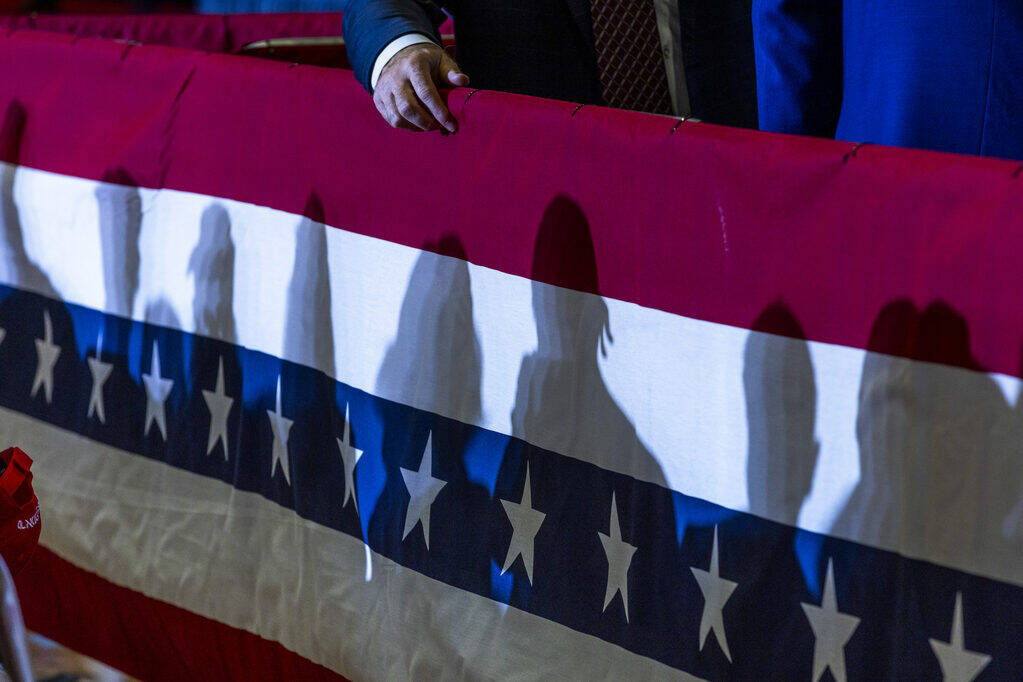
410,112
382,104
431,99
385,106
450,72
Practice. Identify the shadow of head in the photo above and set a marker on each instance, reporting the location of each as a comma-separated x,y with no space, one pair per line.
212,265
901,398
781,404
570,321
120,224
314,210
435,357
309,331
11,133
16,266
921,418
936,334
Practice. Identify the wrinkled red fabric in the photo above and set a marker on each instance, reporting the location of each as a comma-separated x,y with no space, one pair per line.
117,626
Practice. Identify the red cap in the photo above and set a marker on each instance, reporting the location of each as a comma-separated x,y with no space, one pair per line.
19,510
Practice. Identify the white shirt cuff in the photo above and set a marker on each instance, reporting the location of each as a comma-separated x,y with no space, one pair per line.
393,48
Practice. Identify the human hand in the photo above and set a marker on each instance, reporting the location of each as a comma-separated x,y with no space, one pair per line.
406,93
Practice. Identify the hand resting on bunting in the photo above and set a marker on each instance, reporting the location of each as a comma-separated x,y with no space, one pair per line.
407,95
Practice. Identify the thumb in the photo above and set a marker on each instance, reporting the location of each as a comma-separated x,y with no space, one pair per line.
451,74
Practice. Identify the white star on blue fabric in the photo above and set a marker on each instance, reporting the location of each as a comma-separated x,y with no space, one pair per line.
525,522
716,591
619,561
957,663
157,390
219,406
832,629
100,373
422,489
349,458
281,427
47,354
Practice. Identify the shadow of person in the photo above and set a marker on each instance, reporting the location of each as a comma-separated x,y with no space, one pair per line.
212,265
781,406
16,267
932,441
215,366
563,404
561,398
309,334
434,364
27,319
120,224
435,359
307,375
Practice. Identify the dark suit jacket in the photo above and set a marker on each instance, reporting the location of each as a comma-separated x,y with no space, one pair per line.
935,74
545,47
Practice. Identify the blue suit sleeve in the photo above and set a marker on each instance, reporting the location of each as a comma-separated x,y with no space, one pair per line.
798,52
370,25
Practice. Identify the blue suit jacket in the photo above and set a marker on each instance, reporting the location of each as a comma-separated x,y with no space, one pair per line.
934,74
369,25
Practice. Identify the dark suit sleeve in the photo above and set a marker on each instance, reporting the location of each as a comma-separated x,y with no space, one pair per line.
798,52
370,25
